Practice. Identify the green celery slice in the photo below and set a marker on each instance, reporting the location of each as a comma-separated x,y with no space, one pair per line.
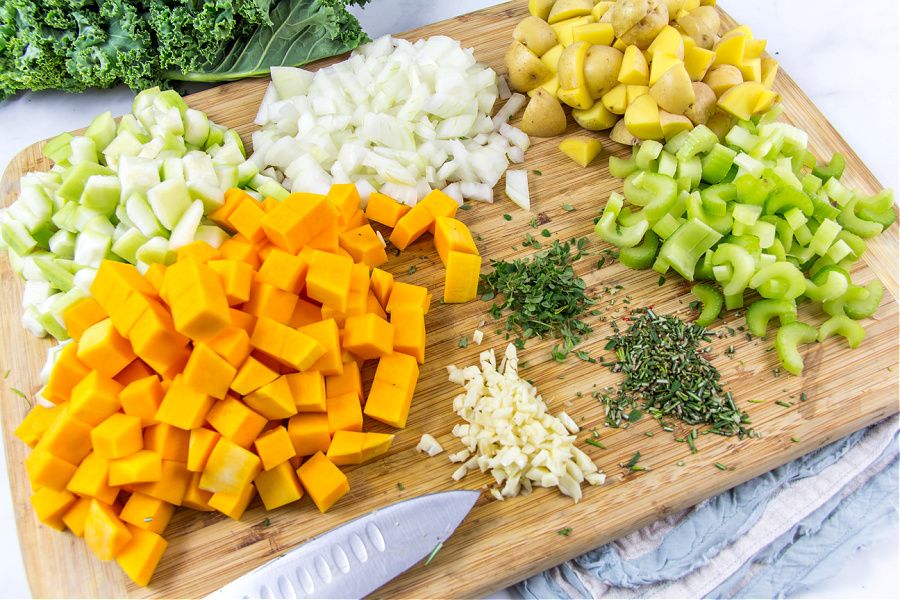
789,338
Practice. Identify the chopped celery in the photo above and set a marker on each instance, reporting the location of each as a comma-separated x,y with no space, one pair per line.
785,198
833,286
685,246
834,169
844,326
102,130
700,139
717,162
859,303
762,311
647,154
781,280
852,223
168,200
711,299
61,278
695,210
642,255
609,231
691,171
789,337
17,238
741,270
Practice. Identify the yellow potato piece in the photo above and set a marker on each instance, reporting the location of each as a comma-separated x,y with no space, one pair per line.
566,9
616,100
751,69
595,118
730,50
661,63
564,29
697,61
581,149
667,41
600,34
642,118
571,65
754,48
742,100
601,8
769,68
575,97
550,58
635,70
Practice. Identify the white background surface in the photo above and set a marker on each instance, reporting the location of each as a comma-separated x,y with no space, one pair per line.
844,55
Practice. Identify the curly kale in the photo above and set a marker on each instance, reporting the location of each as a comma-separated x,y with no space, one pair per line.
75,44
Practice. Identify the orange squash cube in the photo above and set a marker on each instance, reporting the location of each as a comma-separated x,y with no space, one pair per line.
348,381
233,505
323,481
67,437
51,506
271,302
357,220
409,332
381,284
284,271
155,274
356,305
142,398
236,277
183,406
407,295
196,498
308,390
154,338
172,486
345,198
200,447
36,422
168,441
124,316
461,279
273,400
288,346
385,210
199,250
92,479
392,389
172,366
202,312
135,371
76,516
315,211
452,235
346,447
273,448
328,279
48,471
373,306
104,532
233,344
140,467
344,413
327,240
411,226
305,313
236,421
207,372
233,199
245,252
278,486
375,444
251,376
326,333
115,281
364,246
246,219
79,317
368,336
439,205
309,433
117,436
146,512
102,348
66,374
229,469
140,556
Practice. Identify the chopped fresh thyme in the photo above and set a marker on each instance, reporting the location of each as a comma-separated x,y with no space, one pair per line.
412,270
463,342
568,207
465,206
434,552
507,217
595,443
565,531
536,172
400,486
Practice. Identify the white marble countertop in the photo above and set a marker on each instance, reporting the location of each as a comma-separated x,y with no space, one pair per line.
847,63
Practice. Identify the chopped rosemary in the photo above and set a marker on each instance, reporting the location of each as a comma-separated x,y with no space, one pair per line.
400,486
434,552
595,443
784,404
721,466
5,375
662,281
412,270
633,460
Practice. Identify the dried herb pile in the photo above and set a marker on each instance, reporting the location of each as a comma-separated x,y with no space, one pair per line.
543,295
667,376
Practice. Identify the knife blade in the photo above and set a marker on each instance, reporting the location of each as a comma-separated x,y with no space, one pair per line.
361,555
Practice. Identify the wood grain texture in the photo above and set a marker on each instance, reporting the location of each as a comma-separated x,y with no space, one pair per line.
500,542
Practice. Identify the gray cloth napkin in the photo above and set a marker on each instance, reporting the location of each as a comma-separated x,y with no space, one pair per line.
766,538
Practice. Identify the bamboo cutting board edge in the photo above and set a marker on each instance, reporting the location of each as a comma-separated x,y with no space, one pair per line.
90,577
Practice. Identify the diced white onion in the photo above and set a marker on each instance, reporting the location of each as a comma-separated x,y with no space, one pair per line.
517,188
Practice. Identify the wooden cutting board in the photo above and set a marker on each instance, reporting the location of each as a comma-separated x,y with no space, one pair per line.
500,543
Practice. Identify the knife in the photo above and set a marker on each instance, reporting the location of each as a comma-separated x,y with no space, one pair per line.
360,556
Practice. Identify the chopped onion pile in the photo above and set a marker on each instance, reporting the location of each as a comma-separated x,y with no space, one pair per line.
398,117
509,432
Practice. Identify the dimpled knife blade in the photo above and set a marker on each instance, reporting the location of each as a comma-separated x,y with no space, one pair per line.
360,556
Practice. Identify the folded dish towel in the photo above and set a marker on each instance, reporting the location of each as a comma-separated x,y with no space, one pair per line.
766,538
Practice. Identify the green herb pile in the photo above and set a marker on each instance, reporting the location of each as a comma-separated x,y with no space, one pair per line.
75,44
667,376
544,296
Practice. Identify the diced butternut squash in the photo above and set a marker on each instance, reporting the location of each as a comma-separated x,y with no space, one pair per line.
452,235
236,421
115,281
104,532
270,301
251,376
364,246
183,406
233,345
407,295
49,471
95,398
409,332
328,279
278,486
308,390
233,198
155,275
67,437
245,252
233,505
199,250
305,313
368,336
168,441
246,219
154,338
287,346
230,469
172,486
461,280
326,333
201,313
345,198
273,400
392,389
236,277
323,481
411,226
140,467
284,271
201,445
346,448
375,444
76,516
273,448
67,373
102,348
348,381
79,317
344,413
385,210
327,240
208,372
140,556
439,205
309,433
52,506
117,436
197,498
146,512
135,371
92,479
36,422
381,284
